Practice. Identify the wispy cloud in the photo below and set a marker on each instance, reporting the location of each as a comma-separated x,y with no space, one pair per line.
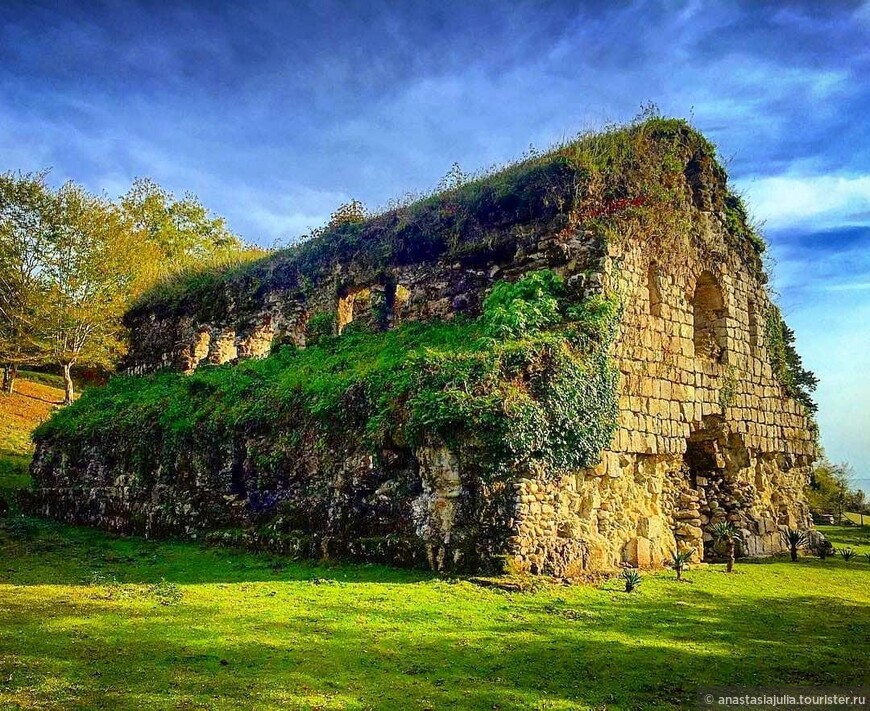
814,201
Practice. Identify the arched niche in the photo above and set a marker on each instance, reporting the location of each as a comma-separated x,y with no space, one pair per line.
710,319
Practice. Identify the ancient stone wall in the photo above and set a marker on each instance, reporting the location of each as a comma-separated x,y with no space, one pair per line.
706,433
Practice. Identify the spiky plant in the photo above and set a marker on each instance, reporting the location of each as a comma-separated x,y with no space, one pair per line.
726,531
679,561
847,554
631,578
794,540
867,556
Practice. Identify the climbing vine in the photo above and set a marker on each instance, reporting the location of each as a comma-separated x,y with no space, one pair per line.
787,365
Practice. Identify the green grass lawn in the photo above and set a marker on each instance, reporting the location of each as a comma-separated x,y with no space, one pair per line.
85,623
91,621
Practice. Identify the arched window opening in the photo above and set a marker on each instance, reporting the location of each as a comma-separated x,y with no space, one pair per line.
353,305
710,319
654,290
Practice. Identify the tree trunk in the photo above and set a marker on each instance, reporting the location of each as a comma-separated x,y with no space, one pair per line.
10,372
67,384
730,565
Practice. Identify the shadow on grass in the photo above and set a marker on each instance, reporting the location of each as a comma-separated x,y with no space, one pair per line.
389,653
46,552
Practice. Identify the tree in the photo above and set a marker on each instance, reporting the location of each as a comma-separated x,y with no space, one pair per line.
856,502
830,487
679,561
27,225
71,263
179,233
794,540
92,269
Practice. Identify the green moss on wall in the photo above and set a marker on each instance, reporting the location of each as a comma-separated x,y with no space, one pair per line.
627,180
530,380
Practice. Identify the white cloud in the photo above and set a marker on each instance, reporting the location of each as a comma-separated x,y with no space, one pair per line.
818,201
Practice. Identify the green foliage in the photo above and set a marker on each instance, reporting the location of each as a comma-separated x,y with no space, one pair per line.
180,232
321,326
513,309
539,394
350,213
738,222
830,488
631,578
786,362
725,531
847,554
680,559
28,229
794,538
72,262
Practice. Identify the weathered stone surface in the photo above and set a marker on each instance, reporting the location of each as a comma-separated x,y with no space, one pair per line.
706,431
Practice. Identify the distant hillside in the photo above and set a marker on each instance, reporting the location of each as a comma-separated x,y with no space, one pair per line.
20,413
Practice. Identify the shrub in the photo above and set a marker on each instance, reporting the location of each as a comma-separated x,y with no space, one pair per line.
847,553
164,592
680,559
522,308
824,549
631,578
794,540
320,327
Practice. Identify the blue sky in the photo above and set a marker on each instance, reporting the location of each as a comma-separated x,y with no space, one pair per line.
274,113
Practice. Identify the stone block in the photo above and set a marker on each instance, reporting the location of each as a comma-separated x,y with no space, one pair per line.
638,551
650,527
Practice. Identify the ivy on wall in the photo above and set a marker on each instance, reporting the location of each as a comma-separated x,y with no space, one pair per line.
788,368
528,381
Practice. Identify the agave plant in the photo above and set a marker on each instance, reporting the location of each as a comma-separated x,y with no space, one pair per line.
679,561
847,553
631,578
867,556
794,540
726,531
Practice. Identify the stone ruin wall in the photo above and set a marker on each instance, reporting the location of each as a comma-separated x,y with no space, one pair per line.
393,505
705,434
249,327
705,430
